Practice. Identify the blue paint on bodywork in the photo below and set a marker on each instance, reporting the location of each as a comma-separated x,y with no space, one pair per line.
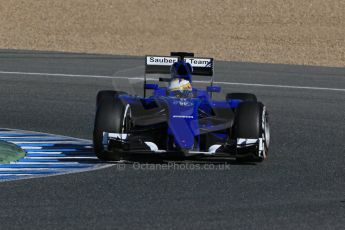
160,92
183,114
235,103
183,121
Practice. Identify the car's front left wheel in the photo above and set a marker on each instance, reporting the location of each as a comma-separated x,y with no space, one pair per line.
112,116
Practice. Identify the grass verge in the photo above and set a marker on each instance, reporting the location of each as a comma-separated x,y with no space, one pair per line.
10,152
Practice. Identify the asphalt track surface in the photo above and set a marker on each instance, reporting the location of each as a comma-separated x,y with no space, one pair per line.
301,186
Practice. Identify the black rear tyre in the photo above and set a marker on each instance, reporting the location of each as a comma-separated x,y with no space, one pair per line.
241,96
109,118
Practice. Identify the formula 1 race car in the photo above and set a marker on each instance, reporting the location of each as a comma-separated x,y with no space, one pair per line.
180,119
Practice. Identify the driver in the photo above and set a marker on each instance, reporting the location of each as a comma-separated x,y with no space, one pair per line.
181,76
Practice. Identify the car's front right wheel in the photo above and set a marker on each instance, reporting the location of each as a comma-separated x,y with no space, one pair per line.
251,122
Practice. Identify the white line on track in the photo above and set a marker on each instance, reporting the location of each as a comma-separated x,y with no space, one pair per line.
281,86
51,142
16,175
43,163
30,147
23,169
62,158
64,75
52,153
31,137
140,78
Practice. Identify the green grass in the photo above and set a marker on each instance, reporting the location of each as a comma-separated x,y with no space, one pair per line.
10,152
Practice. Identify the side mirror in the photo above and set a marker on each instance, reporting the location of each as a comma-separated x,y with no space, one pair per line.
213,89
151,86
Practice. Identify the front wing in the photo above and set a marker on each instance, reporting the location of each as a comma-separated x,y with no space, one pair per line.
131,145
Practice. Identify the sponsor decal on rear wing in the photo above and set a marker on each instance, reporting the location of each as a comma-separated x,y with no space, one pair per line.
162,64
201,66
159,64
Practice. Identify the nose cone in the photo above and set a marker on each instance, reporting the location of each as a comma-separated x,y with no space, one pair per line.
183,122
183,135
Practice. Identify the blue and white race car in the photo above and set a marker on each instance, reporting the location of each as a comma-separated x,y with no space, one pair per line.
179,118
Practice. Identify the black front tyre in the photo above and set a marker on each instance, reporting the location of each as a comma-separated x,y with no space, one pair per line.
104,95
109,118
251,122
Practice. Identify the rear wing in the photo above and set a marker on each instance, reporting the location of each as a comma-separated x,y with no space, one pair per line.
162,64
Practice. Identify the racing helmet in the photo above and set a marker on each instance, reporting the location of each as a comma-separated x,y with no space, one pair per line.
181,77
180,87
179,84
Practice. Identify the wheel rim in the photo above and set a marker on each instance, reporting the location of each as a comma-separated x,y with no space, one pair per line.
126,121
266,132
